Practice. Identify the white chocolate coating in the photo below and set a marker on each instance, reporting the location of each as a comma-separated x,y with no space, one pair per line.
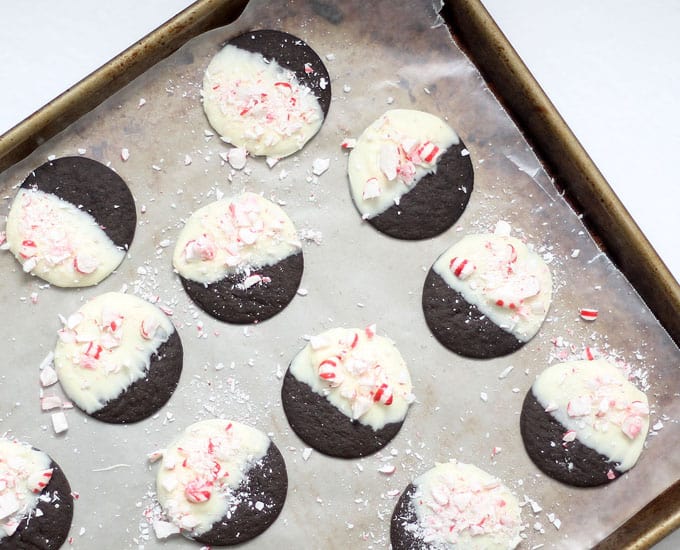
460,506
58,242
258,105
392,155
234,235
106,346
360,373
509,283
201,469
596,401
24,472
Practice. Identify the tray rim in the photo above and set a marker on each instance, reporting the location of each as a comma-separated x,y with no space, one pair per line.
514,86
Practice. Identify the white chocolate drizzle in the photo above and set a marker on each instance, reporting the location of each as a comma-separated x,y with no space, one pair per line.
24,473
597,405
58,242
107,345
258,105
508,283
461,506
359,372
201,470
232,236
392,155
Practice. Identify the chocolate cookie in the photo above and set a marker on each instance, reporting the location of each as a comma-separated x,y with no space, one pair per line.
118,358
583,423
47,526
347,393
240,259
267,92
221,482
486,296
460,326
230,301
72,222
321,425
410,175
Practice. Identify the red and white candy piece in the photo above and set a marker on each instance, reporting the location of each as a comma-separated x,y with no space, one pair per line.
201,249
28,249
37,481
588,314
372,189
580,406
569,436
148,328
198,490
383,394
370,331
328,371
85,264
461,267
632,426
427,152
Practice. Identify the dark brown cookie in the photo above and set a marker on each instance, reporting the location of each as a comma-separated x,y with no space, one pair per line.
569,462
93,188
434,204
402,534
265,482
48,529
228,301
325,428
293,54
147,395
460,326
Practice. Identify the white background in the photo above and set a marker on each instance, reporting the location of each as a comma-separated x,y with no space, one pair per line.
611,67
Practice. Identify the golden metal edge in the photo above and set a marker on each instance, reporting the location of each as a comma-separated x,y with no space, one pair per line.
621,238
531,109
18,142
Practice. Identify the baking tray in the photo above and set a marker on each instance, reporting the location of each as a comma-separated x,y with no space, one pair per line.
566,162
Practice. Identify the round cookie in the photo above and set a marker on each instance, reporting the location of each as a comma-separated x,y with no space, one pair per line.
486,296
410,175
240,259
36,504
72,221
118,358
267,92
583,423
456,505
222,482
347,392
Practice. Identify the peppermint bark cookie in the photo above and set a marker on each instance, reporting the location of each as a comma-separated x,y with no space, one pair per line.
487,296
267,92
410,175
36,505
456,505
71,222
221,482
583,423
240,259
118,358
347,392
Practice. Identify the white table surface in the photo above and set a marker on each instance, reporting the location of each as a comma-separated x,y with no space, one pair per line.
611,67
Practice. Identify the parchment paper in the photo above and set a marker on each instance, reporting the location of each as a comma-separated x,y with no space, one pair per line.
380,55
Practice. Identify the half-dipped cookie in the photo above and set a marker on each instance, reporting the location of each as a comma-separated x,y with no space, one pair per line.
456,505
240,259
36,504
71,222
118,358
487,295
584,423
347,392
410,175
221,482
267,92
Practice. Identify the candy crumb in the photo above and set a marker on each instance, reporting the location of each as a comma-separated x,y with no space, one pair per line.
59,422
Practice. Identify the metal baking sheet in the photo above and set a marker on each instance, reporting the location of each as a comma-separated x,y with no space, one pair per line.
388,55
